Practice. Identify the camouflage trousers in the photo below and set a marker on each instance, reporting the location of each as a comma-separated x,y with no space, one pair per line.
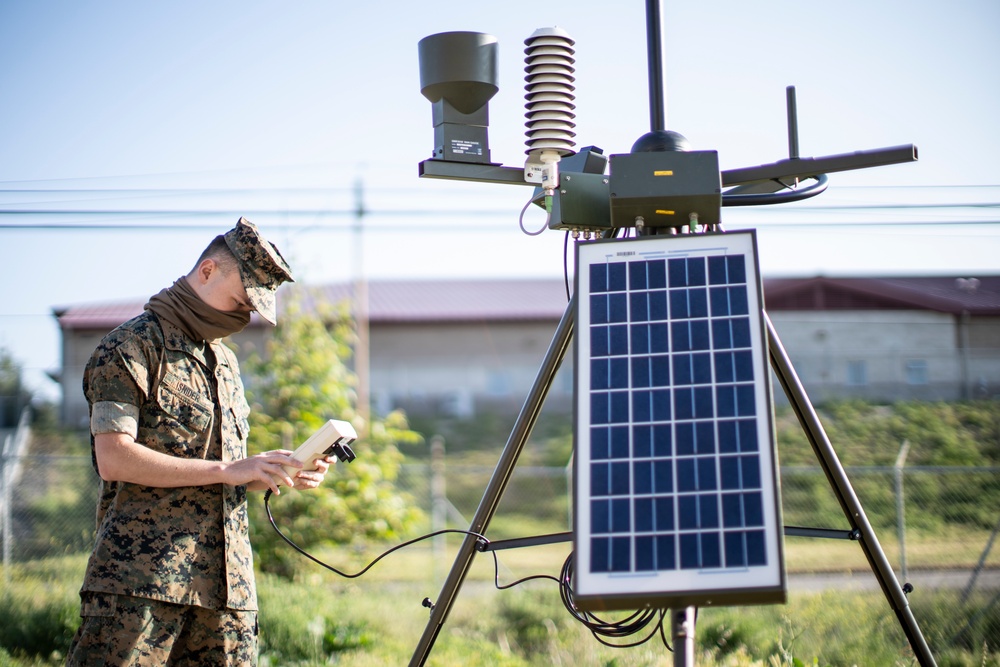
122,630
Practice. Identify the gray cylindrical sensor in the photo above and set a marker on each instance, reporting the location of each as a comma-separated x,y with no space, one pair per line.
459,67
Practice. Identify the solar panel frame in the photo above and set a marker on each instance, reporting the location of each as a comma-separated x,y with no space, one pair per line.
676,496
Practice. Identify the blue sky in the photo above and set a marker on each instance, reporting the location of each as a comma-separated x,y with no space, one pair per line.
277,110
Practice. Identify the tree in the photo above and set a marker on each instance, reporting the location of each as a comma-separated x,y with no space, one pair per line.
14,397
298,383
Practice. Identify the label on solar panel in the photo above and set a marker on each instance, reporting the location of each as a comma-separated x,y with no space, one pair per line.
676,495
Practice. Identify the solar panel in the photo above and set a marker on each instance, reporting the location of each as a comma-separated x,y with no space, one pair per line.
675,495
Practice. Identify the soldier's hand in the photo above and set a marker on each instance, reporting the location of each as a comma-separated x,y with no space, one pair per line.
311,479
263,471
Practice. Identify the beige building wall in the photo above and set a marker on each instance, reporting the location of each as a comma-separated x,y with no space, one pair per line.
465,368
77,347
877,354
458,368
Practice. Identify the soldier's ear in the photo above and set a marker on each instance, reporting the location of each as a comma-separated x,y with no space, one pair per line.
205,269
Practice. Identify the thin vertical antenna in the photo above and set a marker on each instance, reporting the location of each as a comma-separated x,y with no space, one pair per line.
654,45
793,123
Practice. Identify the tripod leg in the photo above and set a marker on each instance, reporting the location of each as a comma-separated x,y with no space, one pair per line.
498,483
849,501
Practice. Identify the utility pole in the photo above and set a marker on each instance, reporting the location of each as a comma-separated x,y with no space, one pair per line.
360,310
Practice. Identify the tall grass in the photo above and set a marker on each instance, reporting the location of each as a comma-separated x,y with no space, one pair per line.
529,626
39,609
321,619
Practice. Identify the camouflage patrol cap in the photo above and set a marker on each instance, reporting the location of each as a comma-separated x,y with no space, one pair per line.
261,266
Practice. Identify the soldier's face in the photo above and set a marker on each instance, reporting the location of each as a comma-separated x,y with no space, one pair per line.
225,291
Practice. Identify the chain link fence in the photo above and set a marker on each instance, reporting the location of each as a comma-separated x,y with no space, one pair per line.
938,526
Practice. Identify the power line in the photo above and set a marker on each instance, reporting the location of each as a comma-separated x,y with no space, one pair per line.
493,211
900,186
451,228
116,217
134,193
348,216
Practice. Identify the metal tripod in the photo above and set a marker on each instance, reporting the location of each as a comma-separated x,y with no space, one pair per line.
760,184
683,628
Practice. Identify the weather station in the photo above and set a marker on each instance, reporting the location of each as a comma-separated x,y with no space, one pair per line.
676,498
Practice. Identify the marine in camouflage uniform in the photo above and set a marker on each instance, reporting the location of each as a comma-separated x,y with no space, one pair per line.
170,579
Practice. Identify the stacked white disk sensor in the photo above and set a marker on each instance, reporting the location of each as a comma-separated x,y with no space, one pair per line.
549,94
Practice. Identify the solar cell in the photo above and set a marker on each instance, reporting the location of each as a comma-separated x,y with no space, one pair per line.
676,496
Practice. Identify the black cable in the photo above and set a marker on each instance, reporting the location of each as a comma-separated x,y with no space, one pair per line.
602,630
566,264
267,507
518,582
781,197
496,561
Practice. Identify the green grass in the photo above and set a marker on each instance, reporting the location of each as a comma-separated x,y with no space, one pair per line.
378,619
323,619
39,609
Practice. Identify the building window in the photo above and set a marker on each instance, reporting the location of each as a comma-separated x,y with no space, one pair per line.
916,371
498,384
458,404
857,373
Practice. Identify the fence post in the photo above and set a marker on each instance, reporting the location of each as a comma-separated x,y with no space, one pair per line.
14,448
979,566
7,514
900,519
439,498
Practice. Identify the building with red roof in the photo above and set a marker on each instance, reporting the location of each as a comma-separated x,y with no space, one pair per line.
464,347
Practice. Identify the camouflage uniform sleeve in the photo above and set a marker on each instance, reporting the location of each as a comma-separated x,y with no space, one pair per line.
117,384
115,417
